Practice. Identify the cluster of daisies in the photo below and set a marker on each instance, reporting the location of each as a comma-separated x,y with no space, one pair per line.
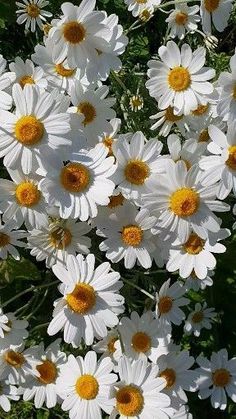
69,174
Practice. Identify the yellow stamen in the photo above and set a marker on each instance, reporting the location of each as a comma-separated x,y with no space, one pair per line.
221,377
87,387
75,177
211,5
170,376
15,359
60,238
29,130
204,136
181,18
89,112
129,401
194,244
197,317
141,342
64,72
4,239
82,299
33,10
184,202
136,172
132,235
27,194
26,80
116,201
74,32
170,116
165,304
47,371
231,161
200,110
111,345
179,79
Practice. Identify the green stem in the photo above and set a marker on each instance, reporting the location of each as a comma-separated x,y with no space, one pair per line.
169,3
119,81
39,326
126,281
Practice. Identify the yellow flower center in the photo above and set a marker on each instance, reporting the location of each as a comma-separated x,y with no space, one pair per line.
75,177
60,238
136,171
141,1
33,10
15,359
234,92
26,80
200,110
203,136
170,116
231,161
29,130
145,15
184,202
108,141
74,32
27,194
82,299
136,101
141,342
4,239
211,5
132,235
47,371
129,401
89,112
111,345
194,244
64,72
221,377
170,376
197,317
179,79
116,201
87,387
181,18
165,304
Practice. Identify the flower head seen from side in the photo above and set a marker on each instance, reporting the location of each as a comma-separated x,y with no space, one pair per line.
195,283
7,393
142,8
110,137
166,120
200,318
32,13
180,79
183,19
24,72
91,301
110,346
13,332
15,364
215,12
9,238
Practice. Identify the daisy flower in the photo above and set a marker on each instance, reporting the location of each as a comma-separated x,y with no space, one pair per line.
90,302
85,386
80,185
166,120
9,238
128,236
21,200
15,364
14,331
138,165
79,34
200,318
168,302
195,283
93,109
139,394
183,203
221,166
215,12
136,103
31,13
57,239
109,346
189,152
180,80
183,19
6,80
42,385
195,255
26,73
217,378
110,137
34,126
142,336
8,392
226,106
137,7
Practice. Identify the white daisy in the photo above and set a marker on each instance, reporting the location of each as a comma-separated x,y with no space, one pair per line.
226,106
26,73
136,103
42,386
137,7
180,80
142,336
169,299
128,236
189,152
85,386
199,128
57,239
9,238
195,283
215,12
35,125
217,378
21,200
31,13
110,137
110,346
7,393
204,114
15,364
14,331
138,394
90,302
6,80
166,119
200,318
183,19
80,185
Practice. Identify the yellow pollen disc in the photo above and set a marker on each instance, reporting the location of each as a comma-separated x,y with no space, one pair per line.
221,377
47,371
82,299
201,109
74,32
89,112
111,345
170,376
75,177
170,116
145,15
234,92
29,130
184,202
181,18
165,304
26,80
136,101
231,161
64,72
108,141
132,235
179,79
203,136
15,359
33,10
27,194
87,387
194,244
198,317
141,342
4,239
60,238
211,5
136,171
141,1
116,201
129,401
